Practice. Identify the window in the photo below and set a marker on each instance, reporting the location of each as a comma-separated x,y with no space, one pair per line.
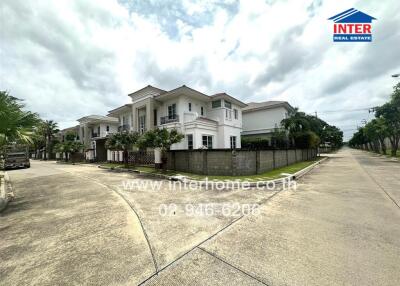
142,124
233,142
207,141
228,114
236,113
202,111
216,103
155,117
124,120
172,111
228,104
98,131
190,106
190,141
107,128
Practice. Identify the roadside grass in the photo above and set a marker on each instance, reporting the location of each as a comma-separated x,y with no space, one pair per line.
389,152
73,162
270,175
117,165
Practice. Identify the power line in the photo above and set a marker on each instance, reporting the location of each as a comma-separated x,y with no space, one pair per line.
369,109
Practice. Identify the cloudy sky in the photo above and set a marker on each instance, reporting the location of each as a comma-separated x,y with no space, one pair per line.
72,58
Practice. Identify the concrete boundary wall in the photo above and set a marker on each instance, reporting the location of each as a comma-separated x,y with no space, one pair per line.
227,162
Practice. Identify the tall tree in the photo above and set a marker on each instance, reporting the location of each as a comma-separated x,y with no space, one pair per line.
372,135
48,129
16,124
390,112
382,133
308,130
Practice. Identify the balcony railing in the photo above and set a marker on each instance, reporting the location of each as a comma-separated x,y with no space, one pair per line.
124,127
169,119
101,134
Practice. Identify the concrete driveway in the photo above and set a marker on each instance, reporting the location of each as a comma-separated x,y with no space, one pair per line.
79,225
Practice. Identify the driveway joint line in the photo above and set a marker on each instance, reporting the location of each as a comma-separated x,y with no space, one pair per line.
231,265
204,241
135,212
147,238
190,250
379,185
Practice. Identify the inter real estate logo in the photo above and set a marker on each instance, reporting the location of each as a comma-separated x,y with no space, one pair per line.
352,26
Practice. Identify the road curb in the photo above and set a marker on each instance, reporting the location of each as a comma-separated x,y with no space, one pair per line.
77,163
118,170
6,193
306,170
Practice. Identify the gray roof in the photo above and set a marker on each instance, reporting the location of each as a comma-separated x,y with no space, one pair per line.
266,105
120,108
225,95
98,118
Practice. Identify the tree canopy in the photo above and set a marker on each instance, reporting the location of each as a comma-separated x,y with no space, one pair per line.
385,125
16,124
308,131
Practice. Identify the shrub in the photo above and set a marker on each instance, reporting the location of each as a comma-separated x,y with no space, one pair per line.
307,139
255,144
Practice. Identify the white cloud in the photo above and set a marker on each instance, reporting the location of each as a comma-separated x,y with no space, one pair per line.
71,58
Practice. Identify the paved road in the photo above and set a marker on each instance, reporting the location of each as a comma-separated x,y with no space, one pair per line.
63,230
76,225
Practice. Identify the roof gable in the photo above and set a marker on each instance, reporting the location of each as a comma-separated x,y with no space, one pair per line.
183,90
149,88
352,16
229,98
253,106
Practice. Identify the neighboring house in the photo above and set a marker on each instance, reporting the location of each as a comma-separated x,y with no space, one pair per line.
206,121
93,130
61,135
260,119
125,117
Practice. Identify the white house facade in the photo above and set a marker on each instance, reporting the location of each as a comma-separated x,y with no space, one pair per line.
93,131
95,127
206,121
262,118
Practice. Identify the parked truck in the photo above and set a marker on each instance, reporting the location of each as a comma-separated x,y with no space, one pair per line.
14,156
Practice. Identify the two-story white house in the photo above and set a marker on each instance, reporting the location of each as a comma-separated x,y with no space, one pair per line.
206,121
92,132
261,118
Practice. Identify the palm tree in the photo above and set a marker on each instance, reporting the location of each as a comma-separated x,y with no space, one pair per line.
48,129
15,123
123,141
69,146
